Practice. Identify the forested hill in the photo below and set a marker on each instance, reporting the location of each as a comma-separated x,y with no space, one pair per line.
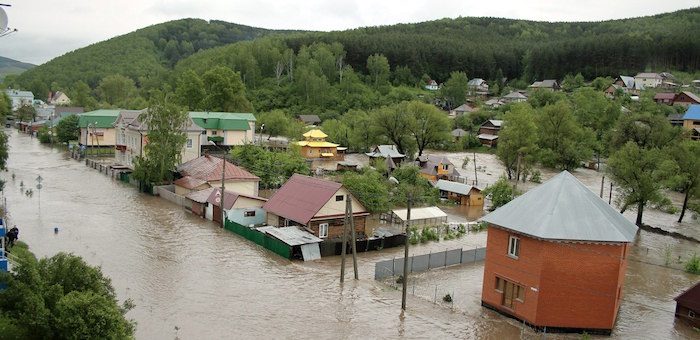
535,50
482,47
11,66
144,54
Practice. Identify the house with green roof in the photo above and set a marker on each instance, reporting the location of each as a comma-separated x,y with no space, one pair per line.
97,127
225,128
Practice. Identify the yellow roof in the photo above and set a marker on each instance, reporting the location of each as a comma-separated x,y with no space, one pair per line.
317,144
327,154
315,133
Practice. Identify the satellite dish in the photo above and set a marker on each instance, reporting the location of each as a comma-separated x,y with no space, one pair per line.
3,20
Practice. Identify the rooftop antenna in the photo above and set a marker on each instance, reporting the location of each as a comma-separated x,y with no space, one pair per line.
4,30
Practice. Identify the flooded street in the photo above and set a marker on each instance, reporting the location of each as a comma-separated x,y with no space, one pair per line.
191,279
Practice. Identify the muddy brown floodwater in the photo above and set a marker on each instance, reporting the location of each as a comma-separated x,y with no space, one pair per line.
191,279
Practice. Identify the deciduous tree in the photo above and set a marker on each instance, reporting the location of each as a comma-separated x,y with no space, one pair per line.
517,138
67,129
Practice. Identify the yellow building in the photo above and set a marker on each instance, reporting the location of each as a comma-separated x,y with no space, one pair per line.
314,146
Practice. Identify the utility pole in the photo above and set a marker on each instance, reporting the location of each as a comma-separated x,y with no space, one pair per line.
352,234
476,180
345,240
405,256
223,188
610,197
602,183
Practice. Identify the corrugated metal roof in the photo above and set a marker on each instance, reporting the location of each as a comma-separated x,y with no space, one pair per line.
103,118
563,209
301,197
209,168
420,213
487,136
385,151
200,196
692,96
455,187
665,95
290,235
227,121
692,113
690,298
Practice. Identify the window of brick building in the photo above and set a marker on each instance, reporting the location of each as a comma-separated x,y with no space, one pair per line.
323,230
514,247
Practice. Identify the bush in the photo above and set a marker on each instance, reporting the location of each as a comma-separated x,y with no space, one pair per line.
447,298
44,135
693,265
536,177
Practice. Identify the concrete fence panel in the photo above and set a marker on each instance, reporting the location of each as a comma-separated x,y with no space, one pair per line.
453,257
437,260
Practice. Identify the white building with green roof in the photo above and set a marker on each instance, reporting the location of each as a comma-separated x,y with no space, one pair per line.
225,128
97,127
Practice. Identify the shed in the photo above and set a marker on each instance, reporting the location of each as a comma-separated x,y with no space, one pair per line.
419,216
461,193
301,243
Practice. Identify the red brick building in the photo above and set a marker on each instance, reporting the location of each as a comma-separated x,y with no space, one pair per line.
556,257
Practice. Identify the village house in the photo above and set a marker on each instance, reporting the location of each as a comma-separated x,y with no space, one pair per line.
676,119
59,98
625,84
432,85
20,98
462,194
688,305
514,97
315,147
309,120
463,109
388,153
434,168
478,86
242,209
691,120
97,127
205,172
686,99
547,84
648,80
132,136
664,98
556,257
225,128
316,206
488,132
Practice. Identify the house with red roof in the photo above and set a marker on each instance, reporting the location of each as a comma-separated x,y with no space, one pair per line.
664,98
314,205
688,305
686,99
556,257
206,171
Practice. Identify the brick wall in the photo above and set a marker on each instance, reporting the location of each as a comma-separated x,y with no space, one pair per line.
335,227
567,285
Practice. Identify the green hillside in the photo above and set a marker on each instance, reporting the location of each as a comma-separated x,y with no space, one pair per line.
305,64
10,66
143,55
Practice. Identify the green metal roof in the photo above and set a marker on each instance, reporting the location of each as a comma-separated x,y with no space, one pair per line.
103,118
226,121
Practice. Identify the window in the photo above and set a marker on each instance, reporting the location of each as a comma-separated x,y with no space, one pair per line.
323,230
213,132
249,213
511,292
189,143
311,151
514,247
691,314
445,167
338,198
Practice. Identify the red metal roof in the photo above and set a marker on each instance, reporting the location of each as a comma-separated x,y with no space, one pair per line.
189,182
200,196
664,95
301,197
208,168
690,298
230,198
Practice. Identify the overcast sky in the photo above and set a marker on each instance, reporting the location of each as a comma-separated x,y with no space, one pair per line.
48,29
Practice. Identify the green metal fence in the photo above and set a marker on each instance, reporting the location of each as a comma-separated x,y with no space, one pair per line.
276,246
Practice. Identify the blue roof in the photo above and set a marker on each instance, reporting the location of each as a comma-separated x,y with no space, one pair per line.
693,113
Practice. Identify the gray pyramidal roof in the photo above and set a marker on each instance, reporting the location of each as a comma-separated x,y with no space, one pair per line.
563,209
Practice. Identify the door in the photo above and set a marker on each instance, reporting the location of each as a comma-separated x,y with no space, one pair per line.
509,293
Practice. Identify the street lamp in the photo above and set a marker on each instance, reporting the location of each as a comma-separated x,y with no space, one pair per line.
262,126
223,178
405,256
